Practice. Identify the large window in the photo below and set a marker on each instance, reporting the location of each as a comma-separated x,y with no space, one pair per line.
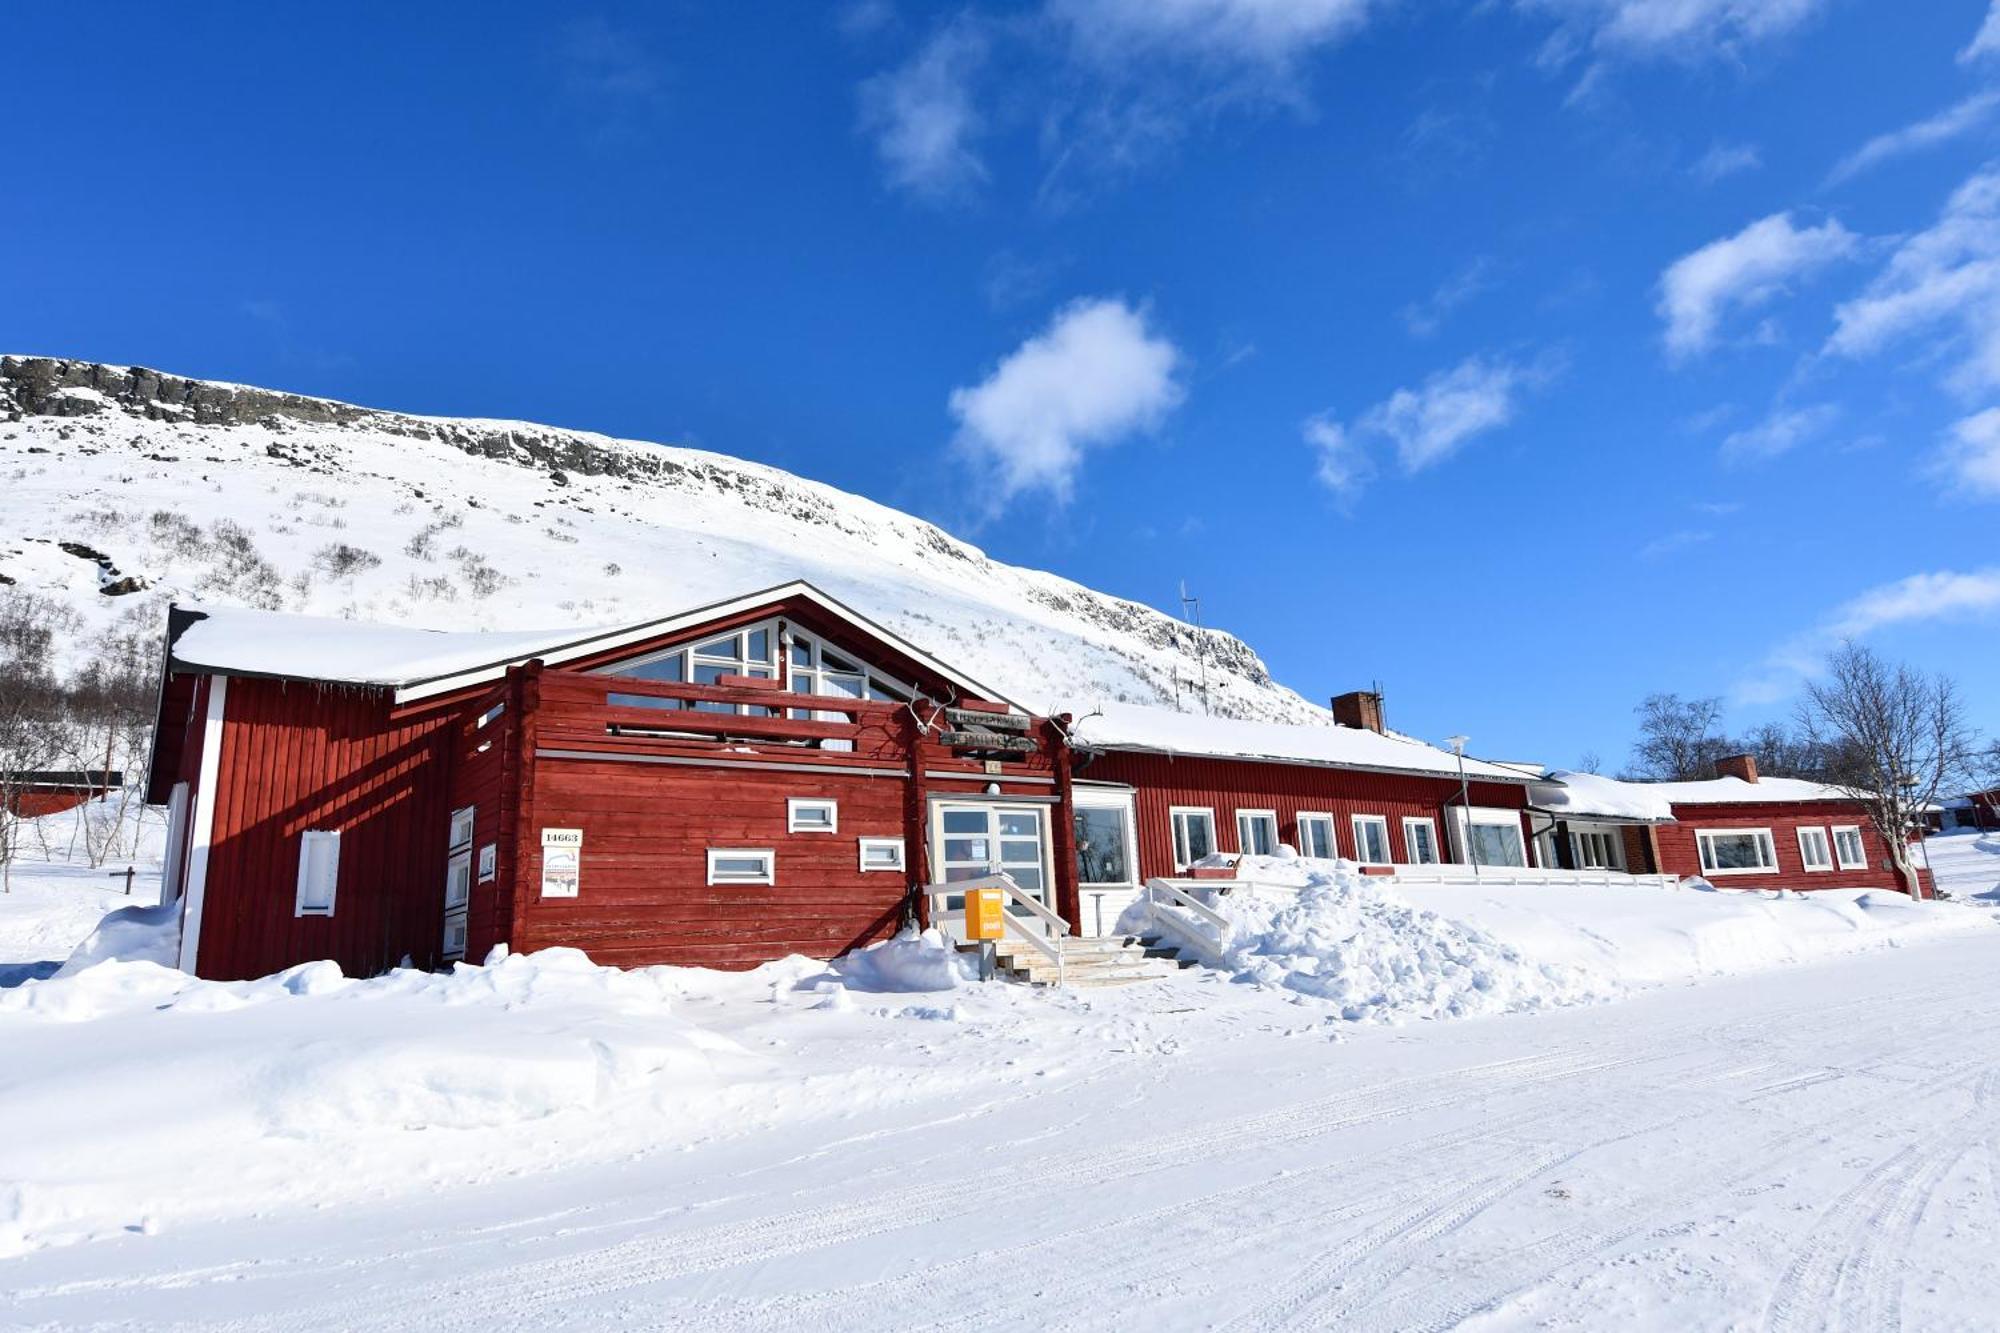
1847,843
1420,842
1257,832
1747,851
1371,840
1316,836
1103,845
1815,852
1497,845
812,667
1194,835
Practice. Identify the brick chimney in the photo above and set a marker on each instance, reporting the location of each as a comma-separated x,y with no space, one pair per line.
1737,766
1358,708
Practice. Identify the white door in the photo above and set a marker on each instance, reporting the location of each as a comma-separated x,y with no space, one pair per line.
970,840
1107,862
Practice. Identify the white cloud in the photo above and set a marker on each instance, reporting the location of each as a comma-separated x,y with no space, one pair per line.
1271,33
1946,125
1431,423
1424,318
1742,271
1725,159
1344,467
1986,41
1654,29
1945,594
1779,433
924,117
1971,455
1095,375
1945,279
1661,547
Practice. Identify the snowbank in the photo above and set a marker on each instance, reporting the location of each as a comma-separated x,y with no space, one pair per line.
1323,929
909,962
1965,864
150,934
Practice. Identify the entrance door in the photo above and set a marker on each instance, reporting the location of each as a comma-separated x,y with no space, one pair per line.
970,840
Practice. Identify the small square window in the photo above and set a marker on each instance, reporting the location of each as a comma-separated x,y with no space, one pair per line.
739,865
881,853
461,828
812,814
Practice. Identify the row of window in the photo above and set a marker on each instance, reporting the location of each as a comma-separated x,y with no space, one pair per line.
1257,834
1753,851
759,865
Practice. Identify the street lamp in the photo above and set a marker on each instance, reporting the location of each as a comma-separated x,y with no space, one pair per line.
1457,744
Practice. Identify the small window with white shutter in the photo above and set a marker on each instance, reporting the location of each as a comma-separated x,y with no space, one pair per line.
319,872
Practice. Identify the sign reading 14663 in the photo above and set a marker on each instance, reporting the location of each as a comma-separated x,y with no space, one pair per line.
562,862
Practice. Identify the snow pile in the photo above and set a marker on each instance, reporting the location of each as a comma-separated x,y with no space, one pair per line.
309,1083
1965,864
912,961
1323,929
150,934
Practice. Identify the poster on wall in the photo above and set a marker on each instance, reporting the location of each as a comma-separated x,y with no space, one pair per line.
562,861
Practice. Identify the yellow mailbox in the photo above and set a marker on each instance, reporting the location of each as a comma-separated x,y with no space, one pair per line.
984,910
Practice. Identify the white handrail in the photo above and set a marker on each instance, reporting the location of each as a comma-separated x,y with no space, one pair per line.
1048,945
1168,922
1184,898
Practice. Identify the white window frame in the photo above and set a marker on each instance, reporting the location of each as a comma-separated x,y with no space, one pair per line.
1360,848
462,822
769,855
781,636
1243,843
794,805
1461,822
1702,836
1120,802
1409,843
1332,837
1826,845
1613,843
1860,861
1175,815
307,841
458,881
879,844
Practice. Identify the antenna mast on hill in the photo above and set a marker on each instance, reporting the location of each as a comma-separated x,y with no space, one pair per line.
1191,611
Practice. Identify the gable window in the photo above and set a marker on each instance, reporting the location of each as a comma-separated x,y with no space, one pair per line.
1194,834
812,814
1420,841
1848,846
1814,850
811,666
1316,836
881,853
1596,850
742,865
319,872
1257,832
1747,851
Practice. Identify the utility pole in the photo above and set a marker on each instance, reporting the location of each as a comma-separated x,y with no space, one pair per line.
1191,611
1457,744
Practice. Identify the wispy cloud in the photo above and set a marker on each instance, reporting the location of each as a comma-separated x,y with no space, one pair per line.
1597,34
611,78
1424,318
1940,595
1270,35
1986,41
1096,375
1430,423
1742,272
1944,280
1779,433
1725,159
1971,456
1675,542
1948,124
1343,464
924,117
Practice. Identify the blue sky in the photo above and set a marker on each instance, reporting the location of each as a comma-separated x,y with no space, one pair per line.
1523,356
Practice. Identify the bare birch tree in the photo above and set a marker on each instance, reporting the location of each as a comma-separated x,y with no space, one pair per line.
1901,737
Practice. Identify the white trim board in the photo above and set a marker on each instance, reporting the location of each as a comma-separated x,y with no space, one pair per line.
196,890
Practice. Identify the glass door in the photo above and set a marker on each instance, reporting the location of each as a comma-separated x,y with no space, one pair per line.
976,840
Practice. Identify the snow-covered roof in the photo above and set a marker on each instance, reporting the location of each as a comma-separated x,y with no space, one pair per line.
1121,726
422,663
1609,798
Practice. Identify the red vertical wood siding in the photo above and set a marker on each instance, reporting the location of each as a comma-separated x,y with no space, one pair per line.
1681,855
298,756
1229,785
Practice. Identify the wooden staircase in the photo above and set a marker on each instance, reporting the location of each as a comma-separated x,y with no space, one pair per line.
1114,960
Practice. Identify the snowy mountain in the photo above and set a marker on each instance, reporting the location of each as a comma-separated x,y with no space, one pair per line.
126,488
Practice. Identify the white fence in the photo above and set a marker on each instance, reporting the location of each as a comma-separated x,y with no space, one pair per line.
1465,876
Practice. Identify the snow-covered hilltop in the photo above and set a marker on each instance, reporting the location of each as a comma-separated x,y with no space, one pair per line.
126,488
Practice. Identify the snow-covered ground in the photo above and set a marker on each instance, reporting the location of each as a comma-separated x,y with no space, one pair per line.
543,1143
1966,864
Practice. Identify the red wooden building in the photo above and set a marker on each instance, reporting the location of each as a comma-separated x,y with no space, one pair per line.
754,778
1736,830
31,795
